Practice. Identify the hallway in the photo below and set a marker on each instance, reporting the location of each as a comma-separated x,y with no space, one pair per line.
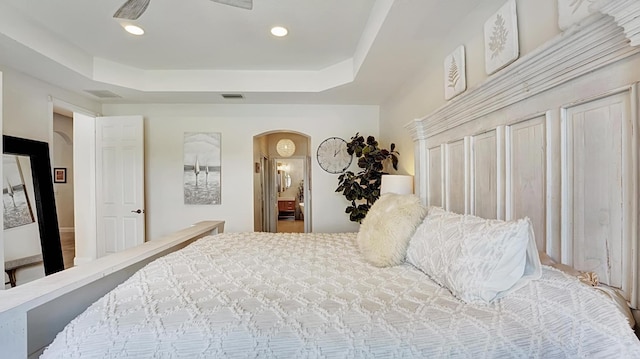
289,226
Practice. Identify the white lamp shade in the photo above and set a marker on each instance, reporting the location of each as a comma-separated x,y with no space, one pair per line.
400,184
286,147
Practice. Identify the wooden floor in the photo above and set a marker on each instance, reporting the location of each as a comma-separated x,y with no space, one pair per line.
288,226
68,242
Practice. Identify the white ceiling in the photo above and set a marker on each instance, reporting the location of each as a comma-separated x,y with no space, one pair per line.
337,51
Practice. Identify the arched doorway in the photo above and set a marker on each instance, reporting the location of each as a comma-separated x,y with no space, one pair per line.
282,199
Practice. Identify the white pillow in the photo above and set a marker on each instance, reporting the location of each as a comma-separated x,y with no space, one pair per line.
477,259
386,230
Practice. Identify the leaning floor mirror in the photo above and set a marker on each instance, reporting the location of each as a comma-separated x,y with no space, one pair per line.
31,234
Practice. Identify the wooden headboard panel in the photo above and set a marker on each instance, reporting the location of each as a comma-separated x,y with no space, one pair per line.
554,137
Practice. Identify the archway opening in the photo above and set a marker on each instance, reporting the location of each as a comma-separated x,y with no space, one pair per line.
282,172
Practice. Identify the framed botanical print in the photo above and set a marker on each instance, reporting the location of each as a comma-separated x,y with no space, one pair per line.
501,38
455,78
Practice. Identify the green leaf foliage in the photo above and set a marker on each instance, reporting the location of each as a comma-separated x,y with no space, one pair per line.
362,189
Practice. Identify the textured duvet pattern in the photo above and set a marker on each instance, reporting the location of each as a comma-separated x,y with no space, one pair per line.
296,296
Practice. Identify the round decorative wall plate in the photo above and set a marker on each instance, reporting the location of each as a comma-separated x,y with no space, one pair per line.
332,155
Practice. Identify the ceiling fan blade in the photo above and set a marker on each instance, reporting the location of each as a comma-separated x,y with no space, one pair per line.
245,4
132,9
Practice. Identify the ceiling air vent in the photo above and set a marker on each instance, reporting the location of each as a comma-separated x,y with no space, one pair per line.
103,93
232,96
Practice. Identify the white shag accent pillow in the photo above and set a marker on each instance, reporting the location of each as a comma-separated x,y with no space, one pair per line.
478,260
386,230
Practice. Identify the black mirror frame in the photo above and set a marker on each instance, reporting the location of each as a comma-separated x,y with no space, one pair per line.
38,153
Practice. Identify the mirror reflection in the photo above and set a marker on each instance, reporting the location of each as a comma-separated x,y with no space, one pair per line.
287,180
22,251
284,177
16,202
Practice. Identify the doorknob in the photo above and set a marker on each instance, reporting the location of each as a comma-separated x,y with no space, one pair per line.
138,211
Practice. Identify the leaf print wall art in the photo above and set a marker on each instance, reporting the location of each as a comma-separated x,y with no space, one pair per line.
498,38
455,78
501,38
572,11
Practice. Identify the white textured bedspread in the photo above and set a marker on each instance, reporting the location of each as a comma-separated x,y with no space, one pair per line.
297,296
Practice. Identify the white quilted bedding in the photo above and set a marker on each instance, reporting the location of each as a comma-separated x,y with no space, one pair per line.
295,296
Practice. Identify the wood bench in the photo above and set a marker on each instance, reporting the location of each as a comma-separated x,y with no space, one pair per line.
11,266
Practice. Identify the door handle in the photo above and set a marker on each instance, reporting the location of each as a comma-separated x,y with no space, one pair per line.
138,211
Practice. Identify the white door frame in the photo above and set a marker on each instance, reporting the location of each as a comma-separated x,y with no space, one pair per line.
84,189
264,186
306,190
84,186
272,195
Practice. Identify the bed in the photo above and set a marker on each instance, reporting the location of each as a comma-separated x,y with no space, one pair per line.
552,137
313,295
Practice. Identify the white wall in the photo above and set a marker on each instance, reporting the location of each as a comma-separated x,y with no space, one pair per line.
424,92
164,128
26,105
26,113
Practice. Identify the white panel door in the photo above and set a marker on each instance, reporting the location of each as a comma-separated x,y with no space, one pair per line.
119,183
484,191
526,175
598,189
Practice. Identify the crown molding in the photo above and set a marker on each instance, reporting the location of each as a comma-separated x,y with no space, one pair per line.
587,46
626,13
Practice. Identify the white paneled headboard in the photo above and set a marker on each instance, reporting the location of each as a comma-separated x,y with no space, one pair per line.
554,137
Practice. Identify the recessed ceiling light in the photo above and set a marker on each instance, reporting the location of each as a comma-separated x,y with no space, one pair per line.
134,30
279,31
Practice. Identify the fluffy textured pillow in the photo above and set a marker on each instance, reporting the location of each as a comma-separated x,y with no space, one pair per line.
477,259
388,227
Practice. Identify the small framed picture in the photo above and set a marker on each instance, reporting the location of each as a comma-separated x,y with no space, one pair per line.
59,175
